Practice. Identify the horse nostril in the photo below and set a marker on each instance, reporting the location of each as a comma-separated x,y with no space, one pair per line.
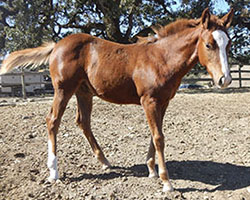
221,81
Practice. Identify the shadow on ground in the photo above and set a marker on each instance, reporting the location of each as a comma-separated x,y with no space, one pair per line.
225,176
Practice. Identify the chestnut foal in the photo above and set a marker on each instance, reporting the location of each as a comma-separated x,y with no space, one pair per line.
147,73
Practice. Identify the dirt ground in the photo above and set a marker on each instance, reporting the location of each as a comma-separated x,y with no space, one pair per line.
207,150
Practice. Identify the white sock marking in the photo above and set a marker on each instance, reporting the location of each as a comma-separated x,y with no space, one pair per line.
52,163
222,40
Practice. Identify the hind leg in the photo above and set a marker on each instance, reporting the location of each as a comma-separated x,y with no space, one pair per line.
84,104
53,121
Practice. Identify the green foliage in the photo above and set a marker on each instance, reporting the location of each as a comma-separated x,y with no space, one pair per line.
22,27
241,31
27,23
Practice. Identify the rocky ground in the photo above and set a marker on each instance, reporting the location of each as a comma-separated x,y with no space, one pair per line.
207,150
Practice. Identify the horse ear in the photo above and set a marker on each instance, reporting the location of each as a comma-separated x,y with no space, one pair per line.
156,28
205,18
140,39
227,19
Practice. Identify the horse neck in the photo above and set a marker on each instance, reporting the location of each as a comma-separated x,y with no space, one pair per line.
180,51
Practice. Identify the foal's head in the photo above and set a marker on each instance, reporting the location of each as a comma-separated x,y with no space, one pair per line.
213,46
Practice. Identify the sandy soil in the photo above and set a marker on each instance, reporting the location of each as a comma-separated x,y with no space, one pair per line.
207,150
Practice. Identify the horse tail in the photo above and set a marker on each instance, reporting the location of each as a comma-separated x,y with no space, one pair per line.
32,56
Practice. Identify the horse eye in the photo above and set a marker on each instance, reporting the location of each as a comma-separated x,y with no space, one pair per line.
208,46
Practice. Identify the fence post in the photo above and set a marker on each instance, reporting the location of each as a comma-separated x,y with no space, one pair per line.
240,83
23,84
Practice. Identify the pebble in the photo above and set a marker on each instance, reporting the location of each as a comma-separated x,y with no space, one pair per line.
66,135
31,195
34,171
32,135
16,100
112,196
124,179
91,198
19,155
25,117
31,100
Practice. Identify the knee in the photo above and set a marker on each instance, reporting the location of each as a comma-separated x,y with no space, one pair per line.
159,142
82,121
48,118
52,123
151,162
79,121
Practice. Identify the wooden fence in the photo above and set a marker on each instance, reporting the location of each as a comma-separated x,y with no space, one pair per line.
239,74
240,79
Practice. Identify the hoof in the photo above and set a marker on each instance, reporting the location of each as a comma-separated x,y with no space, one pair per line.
53,177
153,175
58,181
106,166
167,187
52,180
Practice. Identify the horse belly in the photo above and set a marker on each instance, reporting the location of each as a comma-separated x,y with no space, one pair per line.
123,93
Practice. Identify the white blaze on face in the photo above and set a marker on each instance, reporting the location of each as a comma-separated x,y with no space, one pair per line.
222,41
52,163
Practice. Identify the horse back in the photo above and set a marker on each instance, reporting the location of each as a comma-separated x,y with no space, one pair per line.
105,67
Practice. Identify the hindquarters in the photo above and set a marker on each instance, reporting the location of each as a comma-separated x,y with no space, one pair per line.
67,74
68,60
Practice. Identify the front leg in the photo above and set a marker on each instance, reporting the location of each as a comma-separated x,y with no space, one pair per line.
154,113
151,151
151,160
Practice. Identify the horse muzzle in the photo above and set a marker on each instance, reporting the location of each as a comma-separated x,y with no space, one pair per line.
224,81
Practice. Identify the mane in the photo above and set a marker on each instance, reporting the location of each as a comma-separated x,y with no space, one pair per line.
176,27
146,40
168,30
